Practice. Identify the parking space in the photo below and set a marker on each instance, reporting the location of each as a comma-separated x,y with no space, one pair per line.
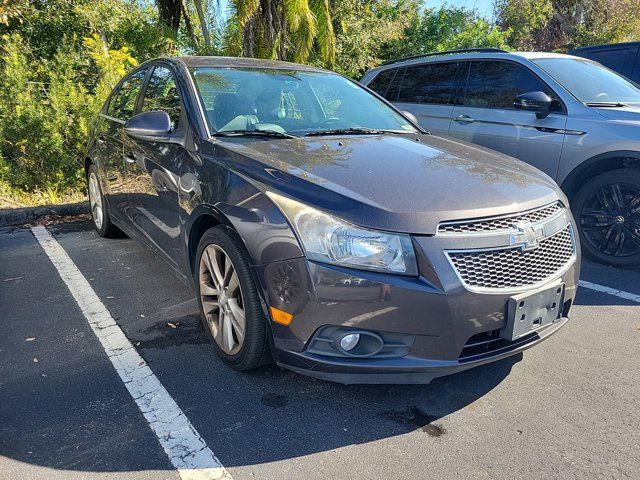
568,408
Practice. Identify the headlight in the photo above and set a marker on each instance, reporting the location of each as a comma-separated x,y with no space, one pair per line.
326,238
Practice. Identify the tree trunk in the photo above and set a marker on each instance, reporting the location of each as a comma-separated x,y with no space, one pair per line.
169,14
188,25
203,23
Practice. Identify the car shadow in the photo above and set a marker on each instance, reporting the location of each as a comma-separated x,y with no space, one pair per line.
287,415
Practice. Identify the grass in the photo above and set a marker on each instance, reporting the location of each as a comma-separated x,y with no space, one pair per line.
15,198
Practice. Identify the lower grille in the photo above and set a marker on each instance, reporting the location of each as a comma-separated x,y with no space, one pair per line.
515,267
490,343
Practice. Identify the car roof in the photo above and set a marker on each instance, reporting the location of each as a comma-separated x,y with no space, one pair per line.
238,62
471,55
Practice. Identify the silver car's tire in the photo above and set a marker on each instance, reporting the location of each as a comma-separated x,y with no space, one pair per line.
99,207
230,304
607,210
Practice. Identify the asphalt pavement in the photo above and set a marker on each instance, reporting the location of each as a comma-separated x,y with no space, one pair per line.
568,408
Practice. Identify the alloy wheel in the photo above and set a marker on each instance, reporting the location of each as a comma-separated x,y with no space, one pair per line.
610,220
95,200
221,298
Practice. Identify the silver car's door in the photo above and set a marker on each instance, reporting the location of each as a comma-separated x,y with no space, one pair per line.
487,117
429,91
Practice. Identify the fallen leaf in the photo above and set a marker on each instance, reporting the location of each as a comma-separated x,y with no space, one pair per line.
12,279
29,339
142,316
141,363
35,360
109,296
172,325
137,344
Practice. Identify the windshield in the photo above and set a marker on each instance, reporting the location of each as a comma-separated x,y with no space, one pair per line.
289,101
589,81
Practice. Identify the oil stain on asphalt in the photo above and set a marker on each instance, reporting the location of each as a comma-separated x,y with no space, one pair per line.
415,416
188,331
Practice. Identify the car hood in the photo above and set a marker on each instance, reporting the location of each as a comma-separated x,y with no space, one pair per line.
629,113
401,183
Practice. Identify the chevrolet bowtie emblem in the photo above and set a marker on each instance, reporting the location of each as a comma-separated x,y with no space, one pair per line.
527,237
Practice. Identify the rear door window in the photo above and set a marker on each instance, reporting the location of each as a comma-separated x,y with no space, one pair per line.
381,82
123,102
433,83
495,84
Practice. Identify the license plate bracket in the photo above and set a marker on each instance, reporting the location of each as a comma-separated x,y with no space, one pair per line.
528,312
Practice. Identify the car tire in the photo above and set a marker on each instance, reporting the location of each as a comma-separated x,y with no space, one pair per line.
237,326
99,207
607,210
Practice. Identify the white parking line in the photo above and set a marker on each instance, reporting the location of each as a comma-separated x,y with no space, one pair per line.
184,446
611,291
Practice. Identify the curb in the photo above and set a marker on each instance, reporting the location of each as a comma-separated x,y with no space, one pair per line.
20,216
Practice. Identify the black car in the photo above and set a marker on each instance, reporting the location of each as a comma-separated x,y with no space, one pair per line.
322,229
623,58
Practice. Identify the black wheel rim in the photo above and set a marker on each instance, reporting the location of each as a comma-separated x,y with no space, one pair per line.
610,220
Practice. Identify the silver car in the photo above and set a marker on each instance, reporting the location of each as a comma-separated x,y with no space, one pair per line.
574,119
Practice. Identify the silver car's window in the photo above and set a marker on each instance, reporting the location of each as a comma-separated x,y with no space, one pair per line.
495,84
290,101
430,83
589,81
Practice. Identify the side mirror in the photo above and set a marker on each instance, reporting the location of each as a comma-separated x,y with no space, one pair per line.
410,116
538,102
153,126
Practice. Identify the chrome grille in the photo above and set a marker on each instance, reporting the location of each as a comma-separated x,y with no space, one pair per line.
501,223
515,267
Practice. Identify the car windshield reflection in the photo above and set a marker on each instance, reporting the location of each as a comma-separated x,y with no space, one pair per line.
288,102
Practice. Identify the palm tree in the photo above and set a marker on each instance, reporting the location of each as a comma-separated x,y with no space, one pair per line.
283,30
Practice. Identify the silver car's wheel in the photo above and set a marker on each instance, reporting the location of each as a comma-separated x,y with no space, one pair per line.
221,299
95,200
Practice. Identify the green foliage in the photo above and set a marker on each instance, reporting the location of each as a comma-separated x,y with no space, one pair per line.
60,58
560,24
57,65
522,18
446,28
363,30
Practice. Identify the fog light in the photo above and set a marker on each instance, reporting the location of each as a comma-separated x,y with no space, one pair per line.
349,342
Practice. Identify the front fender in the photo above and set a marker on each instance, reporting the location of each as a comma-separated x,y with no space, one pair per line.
229,198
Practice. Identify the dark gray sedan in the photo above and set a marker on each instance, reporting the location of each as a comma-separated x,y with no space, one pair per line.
322,229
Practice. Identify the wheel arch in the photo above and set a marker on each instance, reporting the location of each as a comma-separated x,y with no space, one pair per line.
203,217
597,165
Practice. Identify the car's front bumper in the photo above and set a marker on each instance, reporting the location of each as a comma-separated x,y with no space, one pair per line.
434,314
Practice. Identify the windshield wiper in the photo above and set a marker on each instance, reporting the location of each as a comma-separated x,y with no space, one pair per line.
253,133
352,131
605,104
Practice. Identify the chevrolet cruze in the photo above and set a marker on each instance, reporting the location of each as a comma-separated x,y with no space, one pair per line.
322,229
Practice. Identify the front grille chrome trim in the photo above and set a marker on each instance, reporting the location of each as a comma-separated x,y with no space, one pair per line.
517,289
441,230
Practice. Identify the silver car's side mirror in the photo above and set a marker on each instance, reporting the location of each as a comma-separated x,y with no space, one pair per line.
538,102
410,116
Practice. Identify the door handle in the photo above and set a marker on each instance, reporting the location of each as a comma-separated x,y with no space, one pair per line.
464,119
